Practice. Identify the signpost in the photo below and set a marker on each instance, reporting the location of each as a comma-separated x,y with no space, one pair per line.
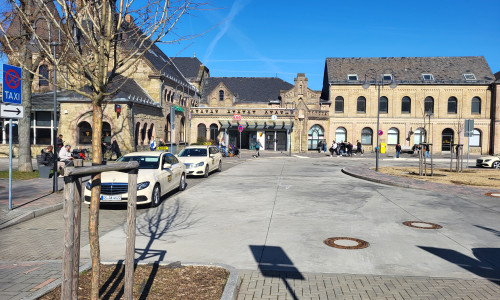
240,129
468,132
11,92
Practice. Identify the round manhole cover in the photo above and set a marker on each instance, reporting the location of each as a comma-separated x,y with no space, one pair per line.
496,195
422,225
346,243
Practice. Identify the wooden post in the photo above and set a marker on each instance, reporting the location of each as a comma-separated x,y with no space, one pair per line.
69,198
130,250
77,230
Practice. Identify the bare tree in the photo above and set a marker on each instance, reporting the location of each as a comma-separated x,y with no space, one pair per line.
97,42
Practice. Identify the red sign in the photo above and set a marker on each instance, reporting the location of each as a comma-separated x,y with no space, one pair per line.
236,117
380,132
240,128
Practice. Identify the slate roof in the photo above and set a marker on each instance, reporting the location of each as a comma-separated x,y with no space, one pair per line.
189,66
248,89
409,70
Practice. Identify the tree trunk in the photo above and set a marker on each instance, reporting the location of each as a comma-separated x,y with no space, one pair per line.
95,199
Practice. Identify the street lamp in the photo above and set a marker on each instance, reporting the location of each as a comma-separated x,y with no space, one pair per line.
380,84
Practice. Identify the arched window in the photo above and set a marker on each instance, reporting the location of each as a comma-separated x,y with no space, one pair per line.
43,71
168,129
315,134
143,133
367,136
452,105
339,104
406,105
214,131
202,131
151,130
447,139
419,136
340,134
429,105
136,135
361,104
384,104
84,133
476,105
221,95
183,129
106,133
392,136
475,139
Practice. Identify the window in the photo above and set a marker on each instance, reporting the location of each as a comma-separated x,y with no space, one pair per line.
340,134
429,105
447,139
387,77
393,136
85,133
384,104
367,136
470,77
143,132
43,71
361,105
214,131
406,105
151,130
419,136
352,77
452,105
221,95
427,77
339,104
476,105
106,133
315,134
202,131
475,139
41,127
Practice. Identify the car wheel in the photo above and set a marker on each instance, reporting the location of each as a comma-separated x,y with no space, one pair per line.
182,183
496,165
156,196
219,169
206,172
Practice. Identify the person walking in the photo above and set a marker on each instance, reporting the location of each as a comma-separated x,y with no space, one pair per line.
359,147
257,148
333,148
116,149
319,146
398,150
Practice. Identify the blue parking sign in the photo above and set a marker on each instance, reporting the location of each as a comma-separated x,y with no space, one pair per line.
12,84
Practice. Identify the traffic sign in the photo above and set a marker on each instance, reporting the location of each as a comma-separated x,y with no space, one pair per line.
12,84
380,132
469,128
274,117
240,128
236,117
11,111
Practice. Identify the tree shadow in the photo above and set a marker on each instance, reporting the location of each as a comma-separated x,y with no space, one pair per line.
273,262
494,231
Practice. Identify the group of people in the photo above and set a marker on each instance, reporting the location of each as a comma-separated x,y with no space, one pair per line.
342,148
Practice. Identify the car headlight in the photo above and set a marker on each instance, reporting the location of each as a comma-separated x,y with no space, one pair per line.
88,186
142,185
199,164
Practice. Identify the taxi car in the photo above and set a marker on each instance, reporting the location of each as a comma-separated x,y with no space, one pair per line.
488,161
201,160
159,173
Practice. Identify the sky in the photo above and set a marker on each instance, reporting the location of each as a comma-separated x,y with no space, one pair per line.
277,38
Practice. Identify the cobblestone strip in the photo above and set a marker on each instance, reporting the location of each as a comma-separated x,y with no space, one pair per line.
285,285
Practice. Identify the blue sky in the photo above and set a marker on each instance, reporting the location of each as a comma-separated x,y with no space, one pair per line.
268,38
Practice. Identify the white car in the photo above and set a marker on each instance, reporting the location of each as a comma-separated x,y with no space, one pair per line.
488,162
159,173
201,160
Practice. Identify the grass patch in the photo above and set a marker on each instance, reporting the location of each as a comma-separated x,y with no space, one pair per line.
20,175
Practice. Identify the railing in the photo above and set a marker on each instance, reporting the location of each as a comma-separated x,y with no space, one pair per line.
72,219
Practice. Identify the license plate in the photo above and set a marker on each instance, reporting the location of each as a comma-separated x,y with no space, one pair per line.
111,198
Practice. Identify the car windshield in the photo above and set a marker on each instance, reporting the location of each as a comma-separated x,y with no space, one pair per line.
145,162
193,152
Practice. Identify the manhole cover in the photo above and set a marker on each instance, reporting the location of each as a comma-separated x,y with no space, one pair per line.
346,243
422,225
497,195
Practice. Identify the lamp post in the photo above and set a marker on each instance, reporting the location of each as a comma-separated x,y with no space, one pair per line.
380,85
427,137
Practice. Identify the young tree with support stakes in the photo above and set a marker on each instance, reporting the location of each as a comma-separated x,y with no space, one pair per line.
100,42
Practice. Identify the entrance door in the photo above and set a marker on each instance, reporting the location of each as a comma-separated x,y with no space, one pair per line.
269,141
281,141
447,139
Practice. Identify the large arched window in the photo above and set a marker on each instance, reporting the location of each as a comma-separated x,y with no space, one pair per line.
361,105
475,139
143,133
43,71
384,104
340,134
339,104
182,129
419,136
406,105
221,95
452,105
106,133
84,133
214,131
151,130
202,131
168,129
315,134
136,135
392,136
429,105
475,105
367,136
447,139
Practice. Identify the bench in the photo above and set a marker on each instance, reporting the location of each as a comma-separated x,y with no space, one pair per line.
43,170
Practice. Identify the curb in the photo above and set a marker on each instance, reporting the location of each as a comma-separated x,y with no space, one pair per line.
31,215
391,183
230,290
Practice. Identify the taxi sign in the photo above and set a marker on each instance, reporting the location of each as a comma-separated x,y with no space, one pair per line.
12,84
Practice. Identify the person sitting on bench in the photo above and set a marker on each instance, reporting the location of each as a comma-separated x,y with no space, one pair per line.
47,156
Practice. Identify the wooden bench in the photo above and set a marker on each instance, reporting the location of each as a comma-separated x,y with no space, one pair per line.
43,170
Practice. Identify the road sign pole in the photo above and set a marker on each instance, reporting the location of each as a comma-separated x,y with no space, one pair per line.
10,164
239,153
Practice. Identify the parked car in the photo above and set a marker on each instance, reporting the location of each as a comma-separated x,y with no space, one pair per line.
201,160
488,162
159,173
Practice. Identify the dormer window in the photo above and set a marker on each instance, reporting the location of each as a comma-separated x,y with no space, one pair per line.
470,77
427,77
352,77
387,77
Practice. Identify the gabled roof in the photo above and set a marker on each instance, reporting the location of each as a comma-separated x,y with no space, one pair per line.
409,70
248,89
189,66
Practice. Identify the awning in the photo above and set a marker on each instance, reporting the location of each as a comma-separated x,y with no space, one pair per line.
257,124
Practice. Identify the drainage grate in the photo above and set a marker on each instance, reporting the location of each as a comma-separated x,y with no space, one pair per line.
346,243
496,195
422,225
